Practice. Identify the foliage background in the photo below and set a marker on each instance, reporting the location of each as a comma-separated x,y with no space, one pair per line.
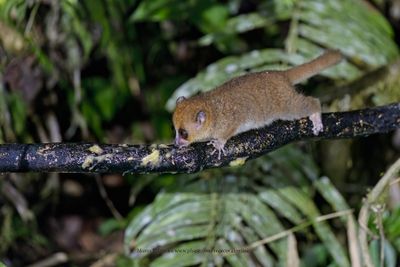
110,71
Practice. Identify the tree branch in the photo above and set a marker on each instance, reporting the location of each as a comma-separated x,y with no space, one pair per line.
104,158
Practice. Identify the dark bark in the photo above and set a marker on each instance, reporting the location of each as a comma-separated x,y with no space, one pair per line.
118,158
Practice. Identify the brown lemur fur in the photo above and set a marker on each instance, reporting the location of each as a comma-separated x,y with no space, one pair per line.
247,102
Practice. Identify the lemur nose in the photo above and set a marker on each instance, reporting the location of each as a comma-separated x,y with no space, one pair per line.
180,141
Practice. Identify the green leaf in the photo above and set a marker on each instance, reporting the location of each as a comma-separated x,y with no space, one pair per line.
351,26
110,226
105,100
359,31
12,11
18,112
182,256
214,18
210,211
388,251
392,224
159,10
225,35
92,118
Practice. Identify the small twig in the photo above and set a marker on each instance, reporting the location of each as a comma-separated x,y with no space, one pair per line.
395,181
107,260
54,260
108,201
294,229
293,259
363,217
31,19
17,199
353,242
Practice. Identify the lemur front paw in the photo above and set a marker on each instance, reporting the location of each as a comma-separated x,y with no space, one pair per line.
219,146
317,123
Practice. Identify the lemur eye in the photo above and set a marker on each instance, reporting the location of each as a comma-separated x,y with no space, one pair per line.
183,133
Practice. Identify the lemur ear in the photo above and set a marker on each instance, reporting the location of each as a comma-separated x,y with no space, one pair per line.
180,99
200,117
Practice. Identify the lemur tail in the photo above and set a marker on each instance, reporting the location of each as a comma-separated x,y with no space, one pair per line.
303,72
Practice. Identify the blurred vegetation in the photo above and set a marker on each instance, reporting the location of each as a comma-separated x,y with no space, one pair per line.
110,71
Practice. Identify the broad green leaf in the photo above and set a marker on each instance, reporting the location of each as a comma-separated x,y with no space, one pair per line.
359,31
238,24
187,254
231,212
